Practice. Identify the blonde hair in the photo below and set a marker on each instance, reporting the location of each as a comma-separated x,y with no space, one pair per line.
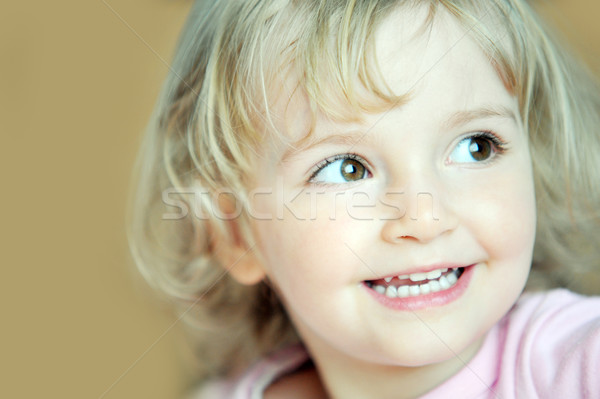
212,119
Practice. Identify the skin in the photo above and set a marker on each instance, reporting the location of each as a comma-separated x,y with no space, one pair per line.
319,249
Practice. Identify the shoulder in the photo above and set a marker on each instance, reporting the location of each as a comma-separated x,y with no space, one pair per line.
554,317
254,382
555,312
551,344
302,384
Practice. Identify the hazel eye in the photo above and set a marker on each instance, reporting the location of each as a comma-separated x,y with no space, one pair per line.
480,147
341,169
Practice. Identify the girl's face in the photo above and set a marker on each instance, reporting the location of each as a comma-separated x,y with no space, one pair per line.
440,185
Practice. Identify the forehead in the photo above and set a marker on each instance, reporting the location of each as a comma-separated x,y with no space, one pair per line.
414,48
419,54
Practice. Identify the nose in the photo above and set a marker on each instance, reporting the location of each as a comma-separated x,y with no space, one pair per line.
423,214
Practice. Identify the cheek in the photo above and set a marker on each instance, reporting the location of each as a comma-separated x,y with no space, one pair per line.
505,217
303,254
301,265
306,231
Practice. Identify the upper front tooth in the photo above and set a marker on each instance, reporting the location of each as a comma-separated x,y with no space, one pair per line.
432,275
388,279
418,276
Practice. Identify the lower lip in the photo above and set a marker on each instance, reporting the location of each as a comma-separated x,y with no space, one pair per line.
434,299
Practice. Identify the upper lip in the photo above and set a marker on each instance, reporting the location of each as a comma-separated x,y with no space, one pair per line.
425,269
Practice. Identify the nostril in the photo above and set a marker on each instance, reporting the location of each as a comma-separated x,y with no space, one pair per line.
402,238
407,237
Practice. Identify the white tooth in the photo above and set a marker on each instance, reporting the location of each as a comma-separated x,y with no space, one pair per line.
444,283
444,270
403,277
434,285
414,290
425,288
388,279
403,291
452,278
434,274
391,291
380,289
418,276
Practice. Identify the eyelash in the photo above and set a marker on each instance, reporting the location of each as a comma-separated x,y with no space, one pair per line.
322,164
500,146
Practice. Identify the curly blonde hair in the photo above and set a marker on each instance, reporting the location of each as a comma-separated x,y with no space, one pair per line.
212,119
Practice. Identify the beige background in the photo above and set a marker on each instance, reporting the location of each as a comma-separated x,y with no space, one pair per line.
78,81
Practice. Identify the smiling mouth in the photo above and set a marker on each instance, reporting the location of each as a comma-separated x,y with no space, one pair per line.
416,284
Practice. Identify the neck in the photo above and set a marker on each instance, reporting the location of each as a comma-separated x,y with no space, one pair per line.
344,377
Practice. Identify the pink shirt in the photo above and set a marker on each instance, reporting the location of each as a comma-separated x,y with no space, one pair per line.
547,346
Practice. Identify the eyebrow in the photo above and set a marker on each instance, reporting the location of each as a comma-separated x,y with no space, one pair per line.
463,117
352,138
345,139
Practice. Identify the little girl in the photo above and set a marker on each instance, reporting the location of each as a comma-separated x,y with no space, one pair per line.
345,198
